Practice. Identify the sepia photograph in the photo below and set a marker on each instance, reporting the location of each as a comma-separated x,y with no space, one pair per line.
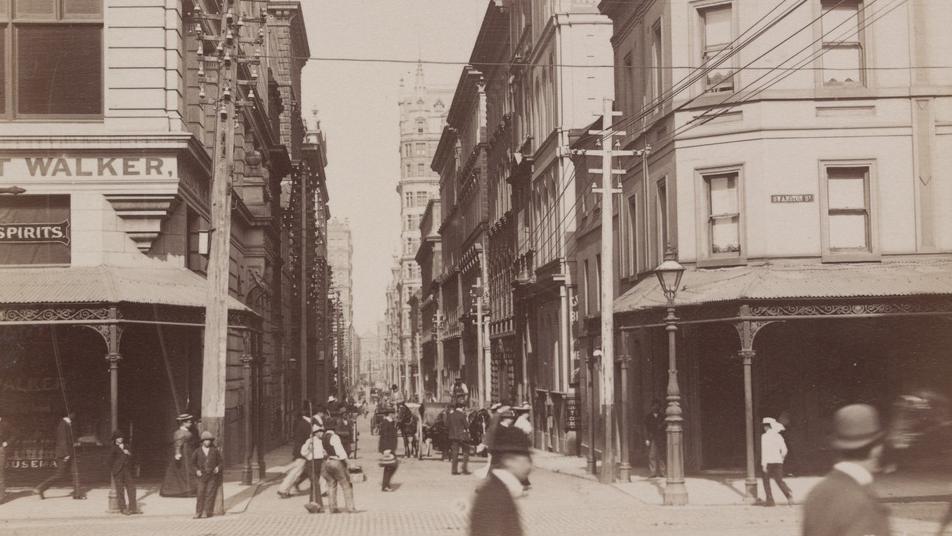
476,267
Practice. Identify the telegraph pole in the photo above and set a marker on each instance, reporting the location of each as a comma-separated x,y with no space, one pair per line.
215,349
607,380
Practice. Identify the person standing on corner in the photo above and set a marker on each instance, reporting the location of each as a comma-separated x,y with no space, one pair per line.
494,511
458,431
843,504
773,451
387,447
120,467
335,470
179,476
207,462
65,458
654,430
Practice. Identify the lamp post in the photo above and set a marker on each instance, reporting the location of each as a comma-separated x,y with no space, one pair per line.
669,275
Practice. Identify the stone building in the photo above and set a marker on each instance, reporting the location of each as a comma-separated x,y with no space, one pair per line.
110,143
340,254
809,208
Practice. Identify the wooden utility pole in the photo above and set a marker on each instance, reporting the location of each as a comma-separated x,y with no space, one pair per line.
605,139
227,57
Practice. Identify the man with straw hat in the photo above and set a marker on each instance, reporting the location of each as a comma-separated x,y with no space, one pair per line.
843,503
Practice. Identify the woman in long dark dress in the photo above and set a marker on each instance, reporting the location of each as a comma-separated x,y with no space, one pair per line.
180,479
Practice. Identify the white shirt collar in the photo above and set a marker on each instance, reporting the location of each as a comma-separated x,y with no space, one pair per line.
68,420
510,481
857,472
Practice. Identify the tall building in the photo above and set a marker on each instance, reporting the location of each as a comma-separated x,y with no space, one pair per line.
340,256
423,112
121,196
810,207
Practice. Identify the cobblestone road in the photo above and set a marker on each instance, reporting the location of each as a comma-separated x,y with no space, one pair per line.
429,501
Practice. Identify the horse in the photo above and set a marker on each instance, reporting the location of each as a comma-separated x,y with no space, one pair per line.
407,423
479,421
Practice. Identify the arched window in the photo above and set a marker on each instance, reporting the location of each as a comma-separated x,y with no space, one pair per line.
420,125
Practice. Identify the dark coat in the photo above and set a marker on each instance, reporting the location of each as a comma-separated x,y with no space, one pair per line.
207,464
494,510
64,439
302,432
119,461
388,436
457,426
839,506
6,432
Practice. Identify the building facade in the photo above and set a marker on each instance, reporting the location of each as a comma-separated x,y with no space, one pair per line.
430,260
117,155
423,112
809,208
340,253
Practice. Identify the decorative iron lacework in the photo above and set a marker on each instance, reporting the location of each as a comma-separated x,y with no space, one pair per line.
913,306
55,314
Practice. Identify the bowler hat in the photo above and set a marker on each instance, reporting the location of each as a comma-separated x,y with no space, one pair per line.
856,426
509,440
207,435
116,434
185,417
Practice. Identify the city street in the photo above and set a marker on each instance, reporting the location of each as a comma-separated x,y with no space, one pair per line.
429,501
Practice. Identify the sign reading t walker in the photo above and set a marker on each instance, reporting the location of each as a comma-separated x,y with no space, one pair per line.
34,229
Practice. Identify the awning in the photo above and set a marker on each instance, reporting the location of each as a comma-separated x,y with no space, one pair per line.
143,285
764,282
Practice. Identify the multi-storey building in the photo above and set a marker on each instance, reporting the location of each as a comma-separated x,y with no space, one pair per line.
340,253
430,259
810,207
423,112
105,161
557,86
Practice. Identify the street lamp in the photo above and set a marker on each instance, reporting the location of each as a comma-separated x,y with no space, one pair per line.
669,275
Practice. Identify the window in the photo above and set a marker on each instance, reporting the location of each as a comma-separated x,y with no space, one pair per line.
723,234
408,170
420,125
843,61
421,169
628,83
633,233
598,283
422,198
55,51
586,288
848,211
408,199
661,215
716,37
420,149
656,80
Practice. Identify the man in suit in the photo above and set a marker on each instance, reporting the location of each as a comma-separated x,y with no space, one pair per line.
207,462
843,504
120,467
655,439
65,458
388,446
494,511
458,431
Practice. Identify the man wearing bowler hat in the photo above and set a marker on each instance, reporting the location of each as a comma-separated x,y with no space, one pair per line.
494,511
843,504
207,462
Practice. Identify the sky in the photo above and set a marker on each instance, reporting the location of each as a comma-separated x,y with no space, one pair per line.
357,107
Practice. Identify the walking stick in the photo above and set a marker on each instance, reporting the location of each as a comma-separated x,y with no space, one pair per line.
313,507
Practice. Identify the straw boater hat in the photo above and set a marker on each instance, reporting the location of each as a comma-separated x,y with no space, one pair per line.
207,435
184,417
856,426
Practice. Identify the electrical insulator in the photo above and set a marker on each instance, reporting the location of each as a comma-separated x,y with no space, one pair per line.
226,94
220,49
254,72
241,21
229,38
223,112
201,70
200,52
227,59
251,94
257,53
201,92
197,12
230,17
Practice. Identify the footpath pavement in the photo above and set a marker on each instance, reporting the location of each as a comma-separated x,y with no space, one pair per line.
429,501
